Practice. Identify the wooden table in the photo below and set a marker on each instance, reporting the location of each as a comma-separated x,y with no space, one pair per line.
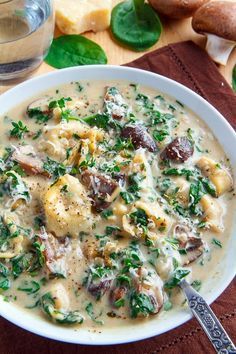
173,31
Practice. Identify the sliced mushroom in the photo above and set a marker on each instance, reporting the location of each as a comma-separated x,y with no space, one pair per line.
101,187
118,294
60,297
179,150
16,239
192,245
55,253
216,20
151,285
99,288
29,161
139,136
177,8
194,249
41,104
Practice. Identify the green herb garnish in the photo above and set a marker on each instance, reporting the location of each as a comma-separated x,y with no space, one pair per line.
19,129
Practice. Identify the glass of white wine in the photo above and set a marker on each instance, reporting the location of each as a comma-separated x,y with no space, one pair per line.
26,33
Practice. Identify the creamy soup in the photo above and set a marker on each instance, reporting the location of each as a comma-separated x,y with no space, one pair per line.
111,194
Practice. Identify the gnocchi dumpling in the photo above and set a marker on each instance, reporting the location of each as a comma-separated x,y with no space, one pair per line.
59,138
141,166
155,212
218,175
60,296
67,207
183,190
158,221
213,213
15,246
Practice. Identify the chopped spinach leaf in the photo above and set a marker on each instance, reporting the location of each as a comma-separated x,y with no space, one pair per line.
4,271
31,287
106,213
48,306
132,192
90,311
140,303
176,278
16,187
89,161
168,305
99,120
54,168
4,284
196,284
39,116
160,135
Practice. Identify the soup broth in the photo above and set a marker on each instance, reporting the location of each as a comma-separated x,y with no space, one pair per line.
111,194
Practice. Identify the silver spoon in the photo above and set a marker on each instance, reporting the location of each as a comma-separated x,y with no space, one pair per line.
208,320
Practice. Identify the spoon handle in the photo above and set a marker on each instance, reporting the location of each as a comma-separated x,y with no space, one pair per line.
207,319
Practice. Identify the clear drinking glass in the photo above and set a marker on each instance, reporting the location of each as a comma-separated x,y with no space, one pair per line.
26,32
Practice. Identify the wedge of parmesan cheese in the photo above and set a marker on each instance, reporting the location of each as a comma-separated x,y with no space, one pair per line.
78,16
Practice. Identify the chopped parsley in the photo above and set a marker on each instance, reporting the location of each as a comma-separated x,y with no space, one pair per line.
216,242
19,130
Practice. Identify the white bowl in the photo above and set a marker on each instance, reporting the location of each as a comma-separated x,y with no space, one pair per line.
227,267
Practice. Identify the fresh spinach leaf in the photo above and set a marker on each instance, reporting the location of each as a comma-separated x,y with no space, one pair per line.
73,50
135,24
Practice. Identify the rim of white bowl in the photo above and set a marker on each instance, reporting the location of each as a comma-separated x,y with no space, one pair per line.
10,311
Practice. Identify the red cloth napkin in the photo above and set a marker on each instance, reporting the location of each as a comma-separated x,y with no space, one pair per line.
187,63
190,65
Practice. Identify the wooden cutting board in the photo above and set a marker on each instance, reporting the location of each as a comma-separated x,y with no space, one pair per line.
173,31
